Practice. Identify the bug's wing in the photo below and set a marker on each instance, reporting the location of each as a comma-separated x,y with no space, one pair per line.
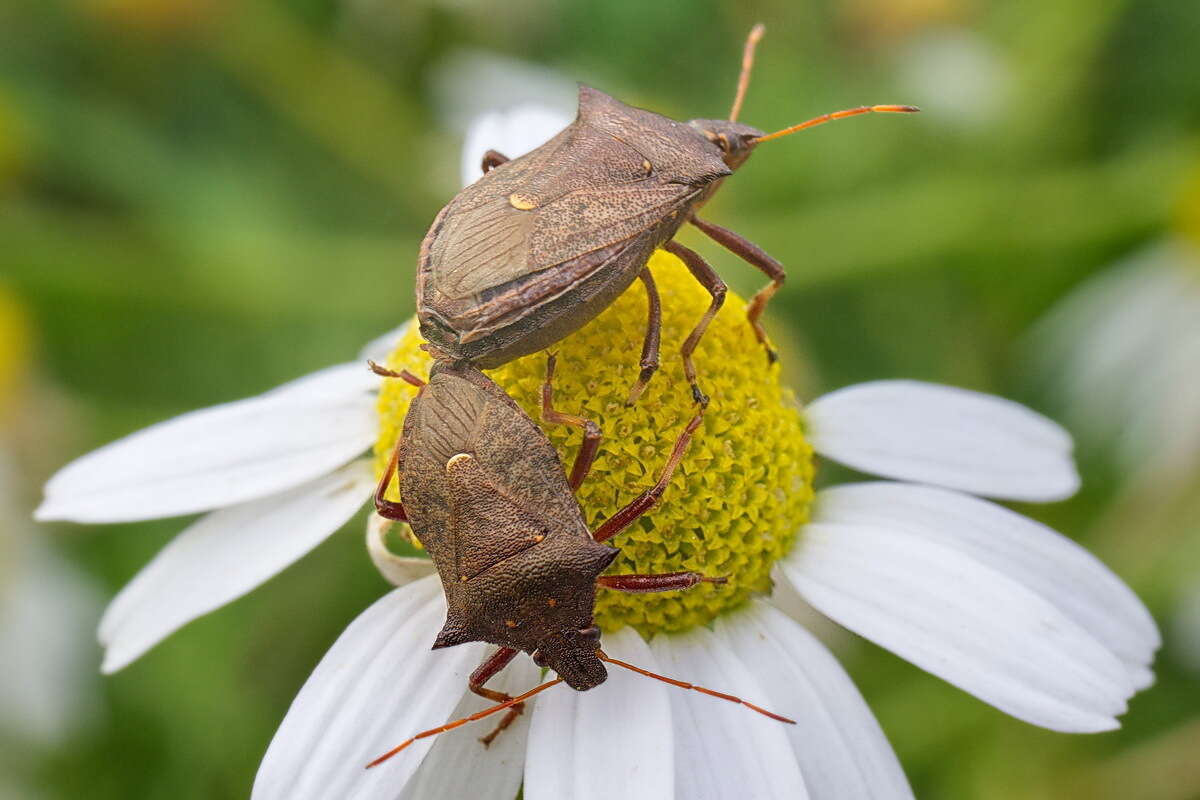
582,191
589,219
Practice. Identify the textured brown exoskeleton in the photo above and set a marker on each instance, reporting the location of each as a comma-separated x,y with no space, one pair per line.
543,243
486,495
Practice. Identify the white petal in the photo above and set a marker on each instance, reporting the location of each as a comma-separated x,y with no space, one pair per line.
946,437
379,684
469,83
224,555
47,670
398,570
512,132
460,766
222,455
1062,572
963,621
613,741
724,750
381,347
842,752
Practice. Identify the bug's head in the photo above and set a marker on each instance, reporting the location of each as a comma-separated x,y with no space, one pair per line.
572,654
735,139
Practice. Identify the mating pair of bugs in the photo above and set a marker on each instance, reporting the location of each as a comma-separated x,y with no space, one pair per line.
518,260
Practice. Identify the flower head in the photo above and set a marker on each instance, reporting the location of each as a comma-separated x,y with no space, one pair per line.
734,507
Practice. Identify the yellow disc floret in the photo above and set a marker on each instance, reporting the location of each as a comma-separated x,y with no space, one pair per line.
744,487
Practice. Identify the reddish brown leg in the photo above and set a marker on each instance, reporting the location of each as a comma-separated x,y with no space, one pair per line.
389,509
403,374
485,672
709,279
666,582
756,256
650,346
649,498
591,431
492,159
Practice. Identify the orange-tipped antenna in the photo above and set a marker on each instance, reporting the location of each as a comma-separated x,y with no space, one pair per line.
850,112
693,687
756,33
487,712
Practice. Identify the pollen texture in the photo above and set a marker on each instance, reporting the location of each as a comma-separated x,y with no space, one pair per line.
744,487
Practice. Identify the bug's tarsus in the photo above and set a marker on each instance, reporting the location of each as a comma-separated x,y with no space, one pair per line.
831,116
449,726
493,159
403,374
693,687
650,346
743,83
591,431
485,672
649,498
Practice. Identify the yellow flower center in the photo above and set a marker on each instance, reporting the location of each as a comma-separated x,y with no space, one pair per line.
744,487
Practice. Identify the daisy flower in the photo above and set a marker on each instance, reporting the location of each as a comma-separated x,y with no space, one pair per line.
993,602
1120,354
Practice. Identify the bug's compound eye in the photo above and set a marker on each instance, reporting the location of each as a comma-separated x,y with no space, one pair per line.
539,658
590,633
723,142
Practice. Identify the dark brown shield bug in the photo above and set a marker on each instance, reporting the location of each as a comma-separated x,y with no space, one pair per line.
486,495
541,244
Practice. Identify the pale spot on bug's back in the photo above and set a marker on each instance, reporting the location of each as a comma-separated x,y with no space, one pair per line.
522,202
457,460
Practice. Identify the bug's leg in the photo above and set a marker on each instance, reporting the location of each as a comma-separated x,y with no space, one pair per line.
709,279
485,672
649,498
591,431
665,582
403,374
492,159
389,509
650,346
757,257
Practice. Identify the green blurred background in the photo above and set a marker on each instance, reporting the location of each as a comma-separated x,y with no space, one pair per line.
200,199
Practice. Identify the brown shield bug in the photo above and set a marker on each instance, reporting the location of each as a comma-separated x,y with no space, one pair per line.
541,244
486,495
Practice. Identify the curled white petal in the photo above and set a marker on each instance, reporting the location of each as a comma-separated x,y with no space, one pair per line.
378,685
842,751
724,750
962,620
222,455
1062,572
398,570
224,555
945,436
627,715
